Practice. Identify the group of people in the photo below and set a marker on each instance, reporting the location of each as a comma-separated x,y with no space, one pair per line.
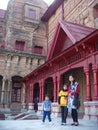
68,99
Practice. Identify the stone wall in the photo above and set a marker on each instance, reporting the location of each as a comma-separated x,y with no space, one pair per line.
2,32
21,27
19,64
76,11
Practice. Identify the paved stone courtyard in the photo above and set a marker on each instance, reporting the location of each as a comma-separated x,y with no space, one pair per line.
36,125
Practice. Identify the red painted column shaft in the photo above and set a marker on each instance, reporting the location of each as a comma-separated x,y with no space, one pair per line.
58,84
40,97
42,90
95,74
31,93
25,94
88,85
26,85
55,89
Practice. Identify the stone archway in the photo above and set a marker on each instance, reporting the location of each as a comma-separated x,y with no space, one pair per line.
79,76
36,91
49,88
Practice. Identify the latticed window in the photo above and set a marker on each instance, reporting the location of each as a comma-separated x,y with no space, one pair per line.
16,95
32,14
16,92
38,49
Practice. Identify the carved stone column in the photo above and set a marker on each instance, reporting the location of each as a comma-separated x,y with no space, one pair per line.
3,87
9,92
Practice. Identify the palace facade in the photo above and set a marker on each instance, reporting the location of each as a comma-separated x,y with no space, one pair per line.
54,42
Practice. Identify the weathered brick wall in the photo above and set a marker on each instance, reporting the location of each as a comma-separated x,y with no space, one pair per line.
22,28
32,32
77,11
16,64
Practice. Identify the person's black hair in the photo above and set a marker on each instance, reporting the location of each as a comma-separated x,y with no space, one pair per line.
71,75
47,95
66,86
73,78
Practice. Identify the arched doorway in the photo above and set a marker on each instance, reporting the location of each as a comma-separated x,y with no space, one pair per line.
16,92
49,88
36,91
79,76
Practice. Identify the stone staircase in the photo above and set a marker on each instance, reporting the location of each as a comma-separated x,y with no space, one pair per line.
28,115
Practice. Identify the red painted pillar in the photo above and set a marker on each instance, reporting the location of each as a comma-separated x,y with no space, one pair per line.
88,84
55,89
31,93
26,85
58,84
40,96
25,94
95,75
42,90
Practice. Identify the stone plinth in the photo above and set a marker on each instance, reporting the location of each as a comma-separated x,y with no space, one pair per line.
91,110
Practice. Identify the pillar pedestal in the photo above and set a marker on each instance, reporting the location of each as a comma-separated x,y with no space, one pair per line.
91,110
55,109
24,105
30,106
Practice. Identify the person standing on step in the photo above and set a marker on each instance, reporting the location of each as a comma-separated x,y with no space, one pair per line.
63,100
73,99
36,104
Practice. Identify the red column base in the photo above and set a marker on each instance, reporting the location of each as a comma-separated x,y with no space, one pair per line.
88,99
95,98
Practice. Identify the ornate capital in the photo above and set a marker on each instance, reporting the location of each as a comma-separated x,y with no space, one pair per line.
86,70
94,68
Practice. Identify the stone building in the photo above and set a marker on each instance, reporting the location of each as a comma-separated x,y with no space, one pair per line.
23,47
72,40
76,11
67,32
